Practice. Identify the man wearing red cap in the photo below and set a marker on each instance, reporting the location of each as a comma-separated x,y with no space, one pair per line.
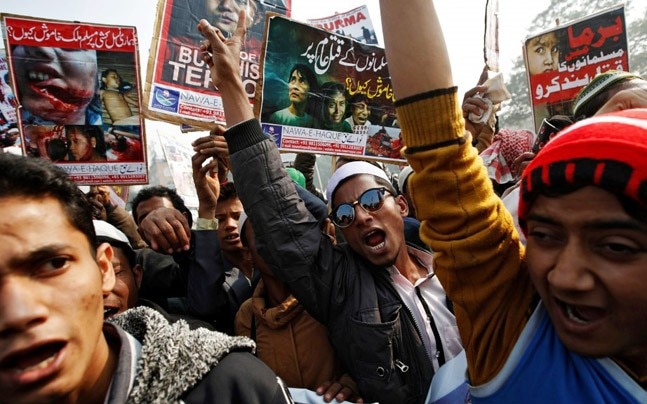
565,319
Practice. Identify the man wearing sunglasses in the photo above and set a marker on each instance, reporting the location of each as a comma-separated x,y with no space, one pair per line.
385,311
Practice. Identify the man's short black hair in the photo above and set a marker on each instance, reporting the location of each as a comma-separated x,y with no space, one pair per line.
227,191
39,178
163,192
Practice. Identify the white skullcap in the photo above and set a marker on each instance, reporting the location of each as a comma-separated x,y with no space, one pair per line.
402,178
350,169
105,230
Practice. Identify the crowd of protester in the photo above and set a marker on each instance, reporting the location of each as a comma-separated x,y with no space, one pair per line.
493,268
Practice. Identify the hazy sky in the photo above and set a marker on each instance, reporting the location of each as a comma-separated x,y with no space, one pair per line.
462,23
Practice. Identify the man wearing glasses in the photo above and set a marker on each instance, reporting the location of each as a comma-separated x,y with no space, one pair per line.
386,313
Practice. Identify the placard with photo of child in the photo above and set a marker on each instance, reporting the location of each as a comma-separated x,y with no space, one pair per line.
326,93
77,88
561,61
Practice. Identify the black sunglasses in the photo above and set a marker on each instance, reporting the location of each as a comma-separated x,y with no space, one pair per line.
371,200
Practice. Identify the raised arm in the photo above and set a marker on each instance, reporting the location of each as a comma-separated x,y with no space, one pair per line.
288,236
415,23
205,294
477,252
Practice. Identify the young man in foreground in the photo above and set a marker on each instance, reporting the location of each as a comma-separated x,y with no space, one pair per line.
54,345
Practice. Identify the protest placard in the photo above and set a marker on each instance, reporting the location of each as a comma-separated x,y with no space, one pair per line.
355,23
78,90
491,35
8,102
178,154
560,61
9,133
178,84
326,93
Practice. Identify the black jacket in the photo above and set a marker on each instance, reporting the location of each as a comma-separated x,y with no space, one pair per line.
175,363
216,289
371,329
199,282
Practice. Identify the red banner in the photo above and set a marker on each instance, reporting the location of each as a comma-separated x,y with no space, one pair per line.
561,61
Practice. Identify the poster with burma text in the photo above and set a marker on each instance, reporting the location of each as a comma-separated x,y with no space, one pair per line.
355,23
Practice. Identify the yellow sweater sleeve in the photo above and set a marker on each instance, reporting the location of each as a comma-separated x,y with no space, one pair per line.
478,256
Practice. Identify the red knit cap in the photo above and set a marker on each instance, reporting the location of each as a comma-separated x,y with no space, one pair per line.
608,151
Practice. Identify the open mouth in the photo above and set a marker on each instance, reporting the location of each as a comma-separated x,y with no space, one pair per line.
573,314
581,314
232,237
32,359
110,311
62,98
376,240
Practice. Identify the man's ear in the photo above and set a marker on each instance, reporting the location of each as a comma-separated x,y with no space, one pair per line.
104,261
139,274
401,201
328,229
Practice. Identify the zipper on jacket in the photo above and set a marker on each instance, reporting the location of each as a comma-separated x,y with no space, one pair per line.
400,365
440,353
386,281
